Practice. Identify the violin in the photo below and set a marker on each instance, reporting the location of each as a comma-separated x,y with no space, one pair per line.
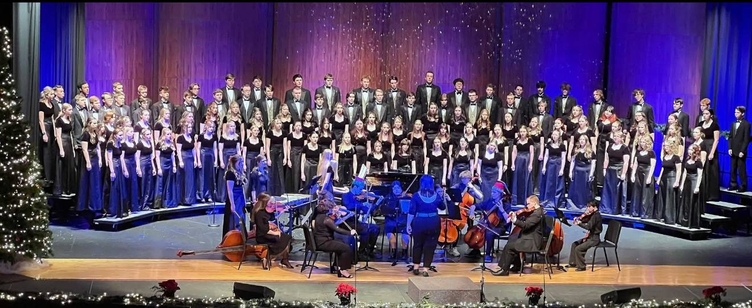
585,217
523,212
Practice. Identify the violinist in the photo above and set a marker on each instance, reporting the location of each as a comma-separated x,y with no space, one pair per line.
323,234
466,186
530,236
395,221
357,200
592,222
494,204
423,223
269,234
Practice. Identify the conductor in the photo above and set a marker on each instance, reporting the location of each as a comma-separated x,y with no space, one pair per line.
530,235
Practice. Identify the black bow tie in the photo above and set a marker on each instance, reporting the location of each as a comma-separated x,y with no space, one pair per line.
297,101
189,105
598,103
350,105
257,89
516,97
409,106
229,89
328,87
319,108
395,90
473,104
540,95
458,93
268,99
378,103
365,90
565,96
195,97
542,113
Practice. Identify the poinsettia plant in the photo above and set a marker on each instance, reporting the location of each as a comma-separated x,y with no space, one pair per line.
167,287
714,294
533,291
344,290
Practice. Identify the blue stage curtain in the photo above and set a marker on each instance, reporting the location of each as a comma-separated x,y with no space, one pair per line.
62,46
727,69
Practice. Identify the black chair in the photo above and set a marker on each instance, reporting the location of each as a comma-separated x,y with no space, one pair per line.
611,240
266,263
311,252
549,221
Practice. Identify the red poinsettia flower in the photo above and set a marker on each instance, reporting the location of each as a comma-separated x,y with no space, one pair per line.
713,291
169,285
533,291
344,290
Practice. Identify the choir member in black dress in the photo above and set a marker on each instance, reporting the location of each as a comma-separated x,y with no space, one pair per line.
142,124
536,135
339,122
327,175
594,227
436,163
207,163
403,160
483,129
581,171
529,238
145,170
278,242
462,159
692,199
310,157
67,177
509,128
258,121
323,234
457,123
385,137
712,133
116,205
234,181
89,197
211,116
667,200
326,138
105,132
395,220
130,177
371,127
348,161
431,122
293,152
418,143
552,171
522,165
738,144
398,131
47,146
259,178
472,141
165,193
673,136
308,124
253,146
614,198
276,143
229,145
160,123
606,124
187,161
643,168
377,160
359,138
286,117
423,223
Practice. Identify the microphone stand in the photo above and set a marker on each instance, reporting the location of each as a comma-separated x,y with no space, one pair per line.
482,267
366,267
213,223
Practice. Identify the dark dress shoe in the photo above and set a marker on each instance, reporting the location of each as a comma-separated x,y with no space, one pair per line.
425,274
501,273
286,264
742,189
416,272
580,269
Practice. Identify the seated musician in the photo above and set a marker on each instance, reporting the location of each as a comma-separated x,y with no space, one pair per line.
395,220
466,185
592,222
266,233
529,237
324,228
356,200
494,204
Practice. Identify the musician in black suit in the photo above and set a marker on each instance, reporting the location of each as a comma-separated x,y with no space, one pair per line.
511,108
472,108
305,94
83,90
594,227
143,91
411,112
331,94
458,97
199,102
682,116
353,112
364,95
257,92
186,105
246,102
738,143
395,96
597,107
380,108
57,99
545,120
492,103
446,110
427,92
531,105
79,117
229,92
320,111
144,105
640,105
164,102
529,238
269,105
704,105
564,103
297,105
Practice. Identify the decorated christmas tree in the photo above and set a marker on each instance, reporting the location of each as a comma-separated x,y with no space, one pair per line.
24,216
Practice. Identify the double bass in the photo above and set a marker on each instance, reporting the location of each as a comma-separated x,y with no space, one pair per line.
476,236
449,228
235,246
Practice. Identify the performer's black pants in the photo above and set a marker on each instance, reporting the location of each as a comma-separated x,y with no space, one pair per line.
342,250
579,248
425,239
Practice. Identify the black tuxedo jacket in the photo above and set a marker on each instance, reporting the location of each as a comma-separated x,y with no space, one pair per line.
305,95
136,103
57,105
304,105
336,96
353,114
531,236
178,113
684,123
592,118
78,123
156,107
325,114
445,116
246,112
123,111
646,109
494,115
236,95
386,112
547,125
559,101
401,98
262,105
452,96
466,111
531,107
739,138
421,96
359,97
408,118
518,115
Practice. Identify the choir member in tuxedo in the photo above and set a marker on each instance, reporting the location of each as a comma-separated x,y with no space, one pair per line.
117,88
142,102
269,105
511,108
738,143
329,92
95,109
107,103
359,138
616,162
667,200
165,193
57,99
683,117
229,145
79,118
293,152
552,171
364,95
711,175
445,109
531,106
380,108
259,177
352,111
89,196
461,159
83,90
257,92
339,122
597,107
229,92
66,176
195,88
545,120
594,227
222,107
297,105
395,96
121,110
704,105
47,144
411,112
472,108
643,187
276,143
640,105
116,206
564,103
187,106
428,92
310,157
492,103
246,102
348,161
458,97
163,103
530,237
581,172
253,146
187,157
305,94
692,194
431,122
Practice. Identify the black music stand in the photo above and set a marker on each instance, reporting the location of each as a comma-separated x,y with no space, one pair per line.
452,212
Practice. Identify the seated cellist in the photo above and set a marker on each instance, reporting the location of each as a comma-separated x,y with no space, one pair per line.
493,204
466,186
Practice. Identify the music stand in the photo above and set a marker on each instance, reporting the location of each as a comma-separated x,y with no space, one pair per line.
452,213
563,219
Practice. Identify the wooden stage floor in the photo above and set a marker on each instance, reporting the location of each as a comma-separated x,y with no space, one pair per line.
217,270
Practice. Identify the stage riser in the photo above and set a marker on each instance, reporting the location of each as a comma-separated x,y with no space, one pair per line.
444,290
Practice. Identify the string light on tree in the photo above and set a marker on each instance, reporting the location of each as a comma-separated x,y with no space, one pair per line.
24,219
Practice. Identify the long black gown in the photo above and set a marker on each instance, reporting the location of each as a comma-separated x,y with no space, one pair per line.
711,170
277,244
276,168
47,149
691,203
667,201
66,175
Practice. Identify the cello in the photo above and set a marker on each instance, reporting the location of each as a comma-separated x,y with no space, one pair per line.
475,238
448,230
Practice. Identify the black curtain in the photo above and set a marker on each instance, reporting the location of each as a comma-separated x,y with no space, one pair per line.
25,39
